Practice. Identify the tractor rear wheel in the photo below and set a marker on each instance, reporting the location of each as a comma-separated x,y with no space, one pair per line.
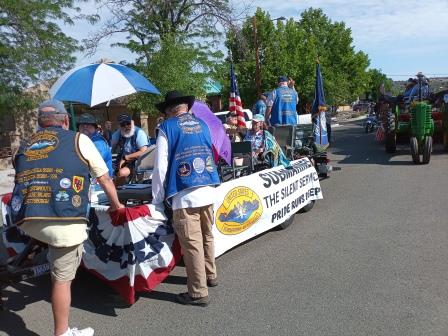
414,150
391,142
427,149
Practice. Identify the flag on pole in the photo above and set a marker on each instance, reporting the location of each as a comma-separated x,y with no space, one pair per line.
318,110
235,99
379,135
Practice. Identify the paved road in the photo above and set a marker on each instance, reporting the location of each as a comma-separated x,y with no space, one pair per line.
370,259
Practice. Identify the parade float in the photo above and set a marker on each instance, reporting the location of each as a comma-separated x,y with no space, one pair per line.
134,249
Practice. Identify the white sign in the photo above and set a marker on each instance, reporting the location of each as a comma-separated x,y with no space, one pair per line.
251,205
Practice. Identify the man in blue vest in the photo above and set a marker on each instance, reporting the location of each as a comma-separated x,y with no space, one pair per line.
282,104
129,142
260,105
87,125
50,200
184,176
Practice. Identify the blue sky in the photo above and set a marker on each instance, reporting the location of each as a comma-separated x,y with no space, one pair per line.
401,38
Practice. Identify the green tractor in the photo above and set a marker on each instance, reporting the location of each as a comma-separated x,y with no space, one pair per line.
441,101
422,129
412,116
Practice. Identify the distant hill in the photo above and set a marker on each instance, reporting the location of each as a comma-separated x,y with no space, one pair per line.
436,84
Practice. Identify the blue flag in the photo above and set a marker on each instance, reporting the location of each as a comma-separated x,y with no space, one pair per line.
318,110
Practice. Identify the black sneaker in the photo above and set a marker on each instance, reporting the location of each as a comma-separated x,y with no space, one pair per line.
212,282
186,299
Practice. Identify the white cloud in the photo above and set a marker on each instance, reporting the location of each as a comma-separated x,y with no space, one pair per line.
389,31
386,30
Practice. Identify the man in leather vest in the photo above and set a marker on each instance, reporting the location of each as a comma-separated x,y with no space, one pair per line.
50,199
184,176
129,142
282,104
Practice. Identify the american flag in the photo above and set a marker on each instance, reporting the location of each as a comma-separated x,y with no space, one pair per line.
235,99
131,250
379,135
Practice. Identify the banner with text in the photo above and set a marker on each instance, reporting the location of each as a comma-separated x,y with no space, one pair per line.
251,205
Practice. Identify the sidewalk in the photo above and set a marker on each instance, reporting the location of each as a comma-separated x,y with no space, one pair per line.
6,181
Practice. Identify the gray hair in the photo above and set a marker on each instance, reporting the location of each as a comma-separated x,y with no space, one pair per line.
177,108
51,112
47,119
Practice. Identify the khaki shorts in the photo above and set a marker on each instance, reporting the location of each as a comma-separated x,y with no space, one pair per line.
64,261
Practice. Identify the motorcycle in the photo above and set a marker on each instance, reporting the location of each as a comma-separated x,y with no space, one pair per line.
371,123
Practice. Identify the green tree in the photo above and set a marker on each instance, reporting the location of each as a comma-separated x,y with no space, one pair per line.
175,41
32,47
175,66
292,48
376,79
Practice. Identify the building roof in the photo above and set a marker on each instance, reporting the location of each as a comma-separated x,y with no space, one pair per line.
212,87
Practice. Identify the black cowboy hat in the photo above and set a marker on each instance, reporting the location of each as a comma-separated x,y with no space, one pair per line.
174,98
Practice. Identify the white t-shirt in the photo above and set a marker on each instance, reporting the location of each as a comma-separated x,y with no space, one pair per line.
65,234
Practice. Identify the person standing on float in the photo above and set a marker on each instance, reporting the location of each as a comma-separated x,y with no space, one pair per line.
282,104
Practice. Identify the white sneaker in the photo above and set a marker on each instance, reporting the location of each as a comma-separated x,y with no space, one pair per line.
77,332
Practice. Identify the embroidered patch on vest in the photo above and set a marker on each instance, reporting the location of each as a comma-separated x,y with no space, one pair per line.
184,169
198,165
78,183
16,203
61,196
209,164
65,183
76,201
41,144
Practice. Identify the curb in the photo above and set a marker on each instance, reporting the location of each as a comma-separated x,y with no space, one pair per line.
354,119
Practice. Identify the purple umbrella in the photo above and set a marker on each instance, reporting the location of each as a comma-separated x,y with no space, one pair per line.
221,141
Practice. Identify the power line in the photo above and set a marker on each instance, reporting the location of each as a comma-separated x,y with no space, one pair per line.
440,75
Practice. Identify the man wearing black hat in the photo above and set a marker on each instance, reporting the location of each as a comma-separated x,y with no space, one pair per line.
282,104
184,176
50,200
87,125
129,142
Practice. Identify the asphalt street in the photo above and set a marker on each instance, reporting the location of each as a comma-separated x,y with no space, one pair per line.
369,259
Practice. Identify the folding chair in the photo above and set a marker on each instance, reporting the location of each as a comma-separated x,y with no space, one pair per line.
243,150
144,165
284,135
140,187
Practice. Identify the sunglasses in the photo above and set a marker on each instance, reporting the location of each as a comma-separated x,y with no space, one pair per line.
126,123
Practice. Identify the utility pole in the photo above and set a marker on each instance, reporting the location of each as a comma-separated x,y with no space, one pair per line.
257,53
257,58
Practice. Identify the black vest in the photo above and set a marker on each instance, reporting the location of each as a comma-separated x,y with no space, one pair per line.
52,179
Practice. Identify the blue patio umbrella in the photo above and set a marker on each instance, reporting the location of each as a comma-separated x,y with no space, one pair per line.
97,83
318,110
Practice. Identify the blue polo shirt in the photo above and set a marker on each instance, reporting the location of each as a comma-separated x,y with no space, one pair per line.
141,139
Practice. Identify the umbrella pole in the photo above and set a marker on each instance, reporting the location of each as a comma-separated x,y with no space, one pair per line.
72,114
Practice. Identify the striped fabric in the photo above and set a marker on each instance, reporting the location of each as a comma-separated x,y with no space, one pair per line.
131,250
98,83
235,104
